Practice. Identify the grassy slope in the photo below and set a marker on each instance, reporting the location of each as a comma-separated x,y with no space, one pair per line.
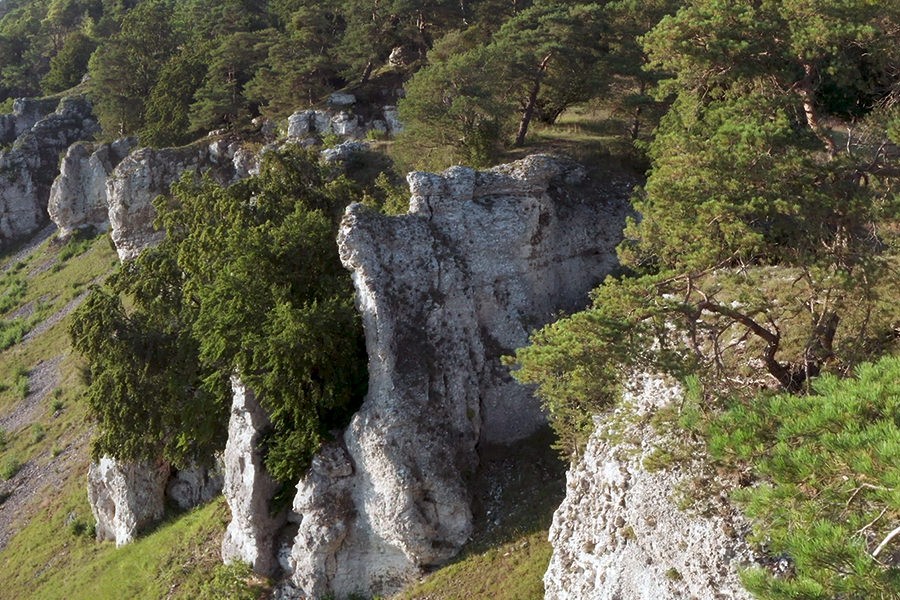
509,551
53,555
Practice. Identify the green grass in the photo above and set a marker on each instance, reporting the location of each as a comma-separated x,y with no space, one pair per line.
55,556
512,571
53,553
9,467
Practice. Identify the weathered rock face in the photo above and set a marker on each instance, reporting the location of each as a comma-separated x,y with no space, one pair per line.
480,259
194,485
26,112
342,121
251,536
78,197
29,167
146,173
125,497
621,532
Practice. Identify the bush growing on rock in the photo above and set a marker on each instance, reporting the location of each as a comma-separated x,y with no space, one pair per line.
247,280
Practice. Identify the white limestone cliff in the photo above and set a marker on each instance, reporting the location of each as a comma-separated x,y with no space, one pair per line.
251,536
480,260
78,197
628,531
29,166
148,172
125,497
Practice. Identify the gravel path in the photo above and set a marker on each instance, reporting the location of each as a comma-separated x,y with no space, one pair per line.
35,483
21,493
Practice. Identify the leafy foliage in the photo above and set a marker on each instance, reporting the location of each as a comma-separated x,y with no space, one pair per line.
829,493
759,251
247,281
124,70
540,61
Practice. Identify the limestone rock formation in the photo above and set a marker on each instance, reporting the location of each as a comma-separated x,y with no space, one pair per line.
251,536
342,121
480,260
78,197
623,531
148,172
343,151
28,168
194,485
125,497
25,113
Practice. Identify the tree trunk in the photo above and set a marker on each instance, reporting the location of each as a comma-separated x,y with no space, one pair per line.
528,113
367,72
636,120
807,93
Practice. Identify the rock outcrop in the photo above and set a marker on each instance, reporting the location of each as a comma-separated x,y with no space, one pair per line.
343,121
194,485
147,172
78,197
28,168
626,531
25,113
125,497
480,260
252,534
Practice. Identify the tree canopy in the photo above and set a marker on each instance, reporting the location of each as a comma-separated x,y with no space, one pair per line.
763,252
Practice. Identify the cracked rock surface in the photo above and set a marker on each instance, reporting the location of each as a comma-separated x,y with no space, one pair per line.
626,531
480,259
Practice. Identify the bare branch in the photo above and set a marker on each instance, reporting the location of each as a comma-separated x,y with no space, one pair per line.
886,541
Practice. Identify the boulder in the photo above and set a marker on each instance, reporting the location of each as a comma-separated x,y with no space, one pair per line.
78,197
125,497
480,260
341,99
252,534
301,124
346,124
392,120
625,531
28,168
343,151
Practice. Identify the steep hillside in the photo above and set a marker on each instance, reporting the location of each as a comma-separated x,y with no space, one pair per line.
47,548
